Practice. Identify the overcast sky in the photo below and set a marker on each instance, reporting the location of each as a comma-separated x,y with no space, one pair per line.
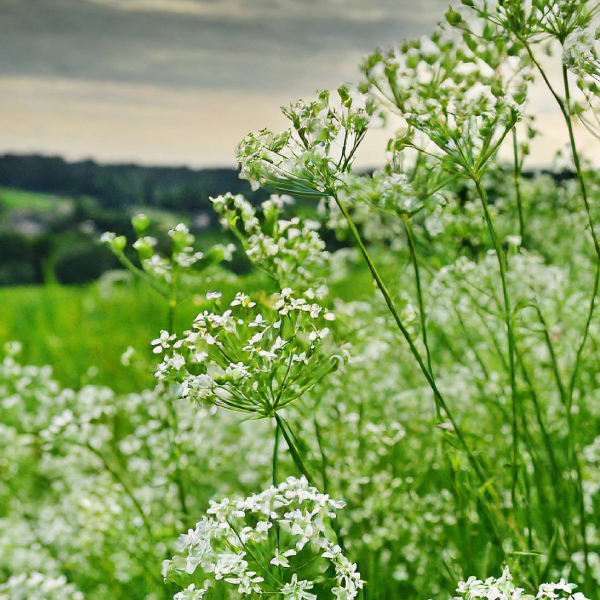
179,81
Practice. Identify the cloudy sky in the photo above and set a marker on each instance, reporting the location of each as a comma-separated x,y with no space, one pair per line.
180,81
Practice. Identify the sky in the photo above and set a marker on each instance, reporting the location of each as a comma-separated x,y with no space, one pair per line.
182,81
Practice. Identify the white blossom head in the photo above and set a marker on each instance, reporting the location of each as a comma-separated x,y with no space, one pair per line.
277,542
251,358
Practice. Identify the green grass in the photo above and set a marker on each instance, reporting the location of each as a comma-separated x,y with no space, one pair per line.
75,328
21,200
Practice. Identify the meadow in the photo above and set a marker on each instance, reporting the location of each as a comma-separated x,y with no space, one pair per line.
397,396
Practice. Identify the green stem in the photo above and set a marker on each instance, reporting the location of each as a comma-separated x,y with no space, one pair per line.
415,352
557,477
565,108
324,461
577,161
584,338
177,456
517,178
285,429
276,454
509,329
117,476
422,314
141,274
575,458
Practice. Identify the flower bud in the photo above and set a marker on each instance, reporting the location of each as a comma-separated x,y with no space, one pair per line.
140,224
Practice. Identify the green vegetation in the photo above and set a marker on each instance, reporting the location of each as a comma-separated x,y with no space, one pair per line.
387,388
11,199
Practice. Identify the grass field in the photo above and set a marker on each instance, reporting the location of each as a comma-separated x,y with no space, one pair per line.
75,328
31,201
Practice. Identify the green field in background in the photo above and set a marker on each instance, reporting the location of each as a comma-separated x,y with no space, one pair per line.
75,328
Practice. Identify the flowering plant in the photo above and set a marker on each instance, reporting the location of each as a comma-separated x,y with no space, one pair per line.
251,359
276,542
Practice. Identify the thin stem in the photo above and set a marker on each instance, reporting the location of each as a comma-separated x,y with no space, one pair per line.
517,178
324,461
124,485
177,455
584,338
282,424
141,274
509,329
276,453
577,161
580,177
558,477
415,352
285,429
565,109
423,316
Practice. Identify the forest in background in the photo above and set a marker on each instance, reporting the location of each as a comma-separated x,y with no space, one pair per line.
52,212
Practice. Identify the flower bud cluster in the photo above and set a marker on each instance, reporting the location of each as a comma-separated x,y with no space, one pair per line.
463,93
291,250
321,142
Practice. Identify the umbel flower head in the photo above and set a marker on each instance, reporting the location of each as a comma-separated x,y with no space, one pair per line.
277,542
464,93
250,358
321,142
290,250
503,588
580,56
536,20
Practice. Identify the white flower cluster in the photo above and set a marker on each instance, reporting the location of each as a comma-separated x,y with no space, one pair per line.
249,358
463,94
270,543
291,250
389,193
37,586
559,591
306,158
535,20
503,588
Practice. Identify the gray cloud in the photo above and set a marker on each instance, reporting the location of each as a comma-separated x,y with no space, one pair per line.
179,81
212,44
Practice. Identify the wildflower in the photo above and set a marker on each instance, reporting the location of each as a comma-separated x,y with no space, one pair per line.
163,342
226,542
491,589
250,359
559,591
297,590
37,585
289,249
464,100
322,142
